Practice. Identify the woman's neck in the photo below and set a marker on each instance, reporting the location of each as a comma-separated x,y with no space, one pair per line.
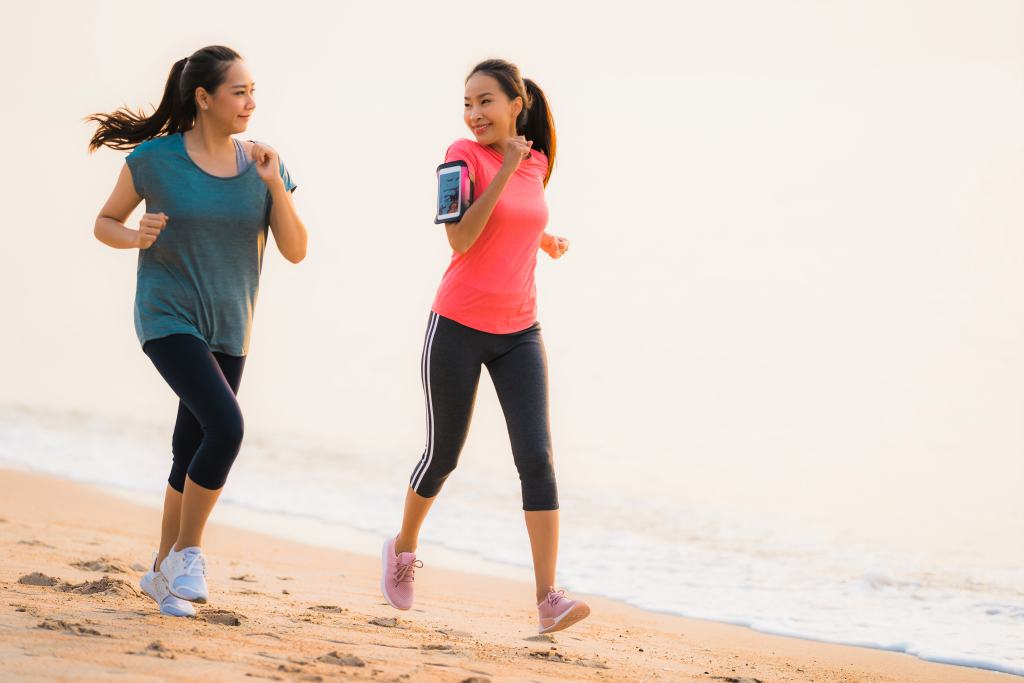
500,145
205,139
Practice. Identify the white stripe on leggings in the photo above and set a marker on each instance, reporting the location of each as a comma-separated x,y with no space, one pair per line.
428,452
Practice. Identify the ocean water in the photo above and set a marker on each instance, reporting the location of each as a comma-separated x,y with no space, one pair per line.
654,551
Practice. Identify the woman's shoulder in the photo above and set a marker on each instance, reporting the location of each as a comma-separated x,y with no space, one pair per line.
153,146
247,145
465,146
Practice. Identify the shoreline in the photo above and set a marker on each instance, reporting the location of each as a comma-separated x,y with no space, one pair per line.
297,601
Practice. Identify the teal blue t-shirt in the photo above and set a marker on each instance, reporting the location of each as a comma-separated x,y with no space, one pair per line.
201,276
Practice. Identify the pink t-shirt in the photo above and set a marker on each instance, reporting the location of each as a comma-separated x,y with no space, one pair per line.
491,286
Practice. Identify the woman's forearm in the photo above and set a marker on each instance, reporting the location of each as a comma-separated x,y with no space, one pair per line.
289,231
116,234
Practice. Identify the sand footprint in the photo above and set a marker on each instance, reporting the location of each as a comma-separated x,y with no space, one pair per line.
553,655
76,629
222,616
442,648
155,649
454,633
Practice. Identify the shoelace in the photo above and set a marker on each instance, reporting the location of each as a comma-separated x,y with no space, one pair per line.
195,561
406,572
555,596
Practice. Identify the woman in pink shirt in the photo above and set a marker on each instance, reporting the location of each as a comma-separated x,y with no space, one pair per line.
485,314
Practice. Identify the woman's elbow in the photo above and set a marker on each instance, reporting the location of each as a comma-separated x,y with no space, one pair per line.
457,245
295,254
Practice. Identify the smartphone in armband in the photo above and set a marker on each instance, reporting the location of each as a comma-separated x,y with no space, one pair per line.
454,192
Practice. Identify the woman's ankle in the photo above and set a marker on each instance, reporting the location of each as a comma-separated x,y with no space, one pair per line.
404,546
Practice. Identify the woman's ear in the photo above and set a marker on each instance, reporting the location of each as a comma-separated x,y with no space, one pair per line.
202,98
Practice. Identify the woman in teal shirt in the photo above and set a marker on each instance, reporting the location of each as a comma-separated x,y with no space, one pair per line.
210,200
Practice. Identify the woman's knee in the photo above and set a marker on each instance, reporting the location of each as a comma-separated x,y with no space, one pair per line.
226,429
537,479
431,472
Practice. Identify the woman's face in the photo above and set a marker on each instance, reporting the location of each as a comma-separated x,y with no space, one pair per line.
232,103
489,113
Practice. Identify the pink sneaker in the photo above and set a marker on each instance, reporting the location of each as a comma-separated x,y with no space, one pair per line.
397,574
557,612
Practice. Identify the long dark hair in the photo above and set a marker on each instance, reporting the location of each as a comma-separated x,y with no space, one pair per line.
535,121
176,113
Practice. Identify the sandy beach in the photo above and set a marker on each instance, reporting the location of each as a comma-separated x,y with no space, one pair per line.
281,610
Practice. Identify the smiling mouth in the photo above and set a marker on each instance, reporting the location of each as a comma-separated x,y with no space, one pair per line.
481,128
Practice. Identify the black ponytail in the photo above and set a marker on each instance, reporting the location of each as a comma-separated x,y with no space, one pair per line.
535,122
176,113
539,125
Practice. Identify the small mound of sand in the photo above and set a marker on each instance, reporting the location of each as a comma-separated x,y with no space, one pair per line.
39,579
387,622
101,564
593,664
341,659
104,586
550,655
328,609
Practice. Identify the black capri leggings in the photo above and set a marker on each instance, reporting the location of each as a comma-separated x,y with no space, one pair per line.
452,356
209,428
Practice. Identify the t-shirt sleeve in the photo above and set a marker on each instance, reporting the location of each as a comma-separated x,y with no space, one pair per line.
138,164
462,150
289,184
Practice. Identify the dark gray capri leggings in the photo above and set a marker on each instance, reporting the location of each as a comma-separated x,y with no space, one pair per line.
209,429
450,368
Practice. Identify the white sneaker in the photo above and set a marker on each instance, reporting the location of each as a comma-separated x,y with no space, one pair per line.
155,586
185,571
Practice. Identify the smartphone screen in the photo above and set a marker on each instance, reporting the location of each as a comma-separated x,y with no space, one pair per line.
449,187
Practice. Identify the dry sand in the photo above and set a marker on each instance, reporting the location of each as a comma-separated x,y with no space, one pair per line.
281,610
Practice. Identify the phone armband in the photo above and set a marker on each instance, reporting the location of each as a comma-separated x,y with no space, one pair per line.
454,192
